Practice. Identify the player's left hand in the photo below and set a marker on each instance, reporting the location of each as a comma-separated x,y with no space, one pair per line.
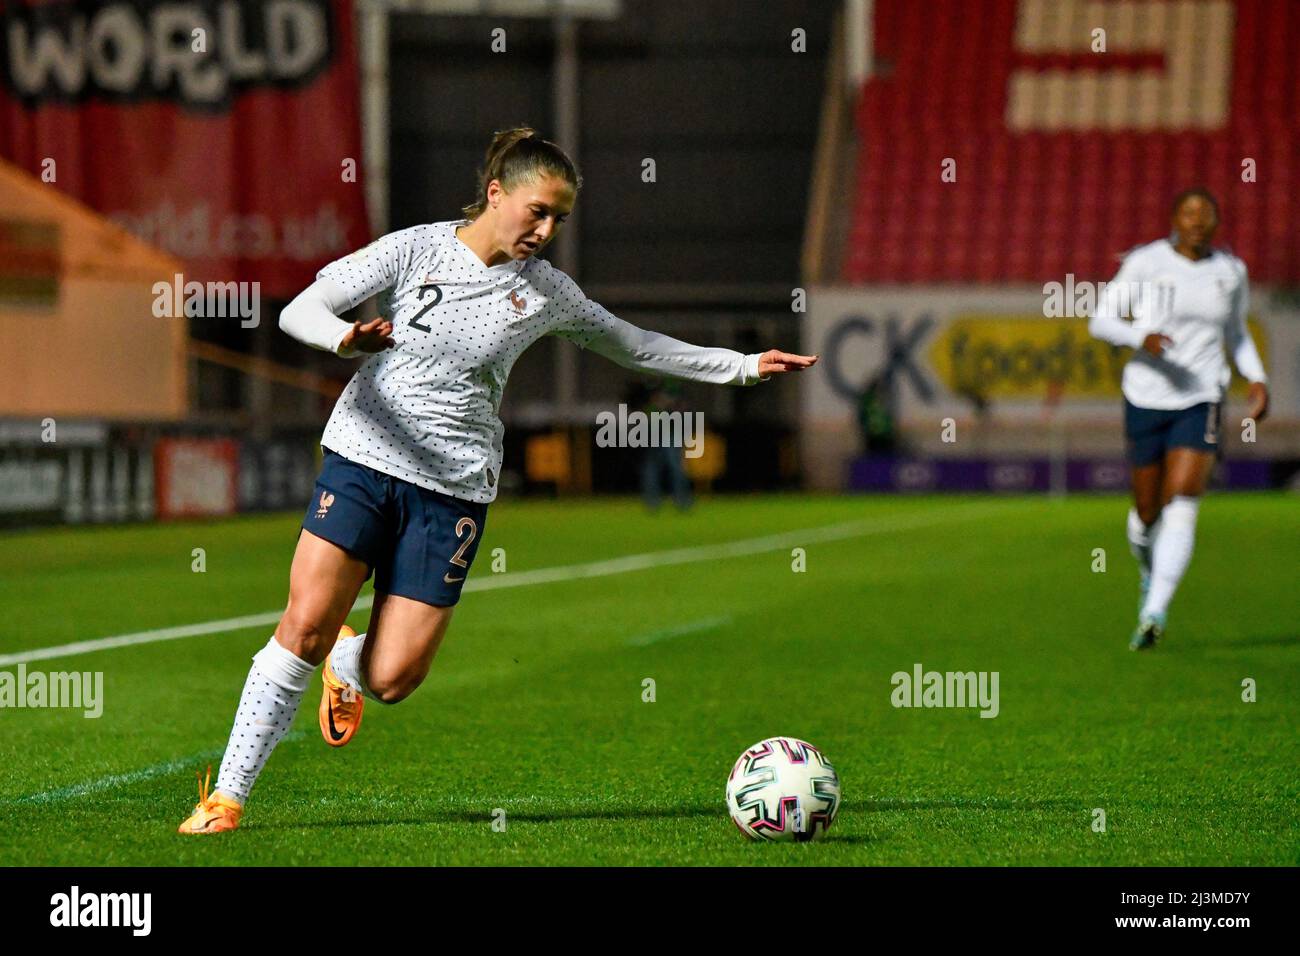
774,361
1258,401
370,337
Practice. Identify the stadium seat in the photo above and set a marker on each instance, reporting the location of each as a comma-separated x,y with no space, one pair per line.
1067,196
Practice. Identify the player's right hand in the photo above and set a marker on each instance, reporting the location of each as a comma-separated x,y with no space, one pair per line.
1258,401
1156,343
774,360
373,336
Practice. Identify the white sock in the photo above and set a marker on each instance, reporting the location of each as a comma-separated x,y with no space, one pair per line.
272,692
1171,552
345,661
1139,540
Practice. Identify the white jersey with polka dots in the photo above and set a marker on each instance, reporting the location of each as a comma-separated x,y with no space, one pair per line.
426,411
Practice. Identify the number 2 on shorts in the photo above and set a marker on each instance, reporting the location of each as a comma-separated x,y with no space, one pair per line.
461,526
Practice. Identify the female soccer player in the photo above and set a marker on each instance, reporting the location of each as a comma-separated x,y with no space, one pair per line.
1187,300
413,447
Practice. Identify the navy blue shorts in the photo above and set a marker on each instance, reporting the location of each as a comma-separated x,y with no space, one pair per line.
419,543
1150,432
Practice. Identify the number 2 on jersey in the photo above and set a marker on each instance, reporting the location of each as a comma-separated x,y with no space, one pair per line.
437,297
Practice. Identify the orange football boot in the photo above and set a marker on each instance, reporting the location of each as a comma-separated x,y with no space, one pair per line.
340,705
214,813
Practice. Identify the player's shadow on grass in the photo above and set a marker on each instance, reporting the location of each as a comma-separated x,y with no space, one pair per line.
1272,640
670,813
966,803
512,816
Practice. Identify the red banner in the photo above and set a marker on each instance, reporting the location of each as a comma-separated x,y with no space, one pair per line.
196,476
227,133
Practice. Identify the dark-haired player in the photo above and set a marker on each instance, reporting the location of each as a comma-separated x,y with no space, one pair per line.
1188,302
413,447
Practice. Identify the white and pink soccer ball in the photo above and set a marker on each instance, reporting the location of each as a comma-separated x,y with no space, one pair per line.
783,789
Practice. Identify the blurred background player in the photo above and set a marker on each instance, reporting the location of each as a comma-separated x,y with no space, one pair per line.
1187,302
414,445
662,468
876,418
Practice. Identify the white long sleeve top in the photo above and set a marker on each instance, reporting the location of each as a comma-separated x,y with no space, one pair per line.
1201,305
426,411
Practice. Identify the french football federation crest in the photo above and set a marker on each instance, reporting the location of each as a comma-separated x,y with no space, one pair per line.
326,499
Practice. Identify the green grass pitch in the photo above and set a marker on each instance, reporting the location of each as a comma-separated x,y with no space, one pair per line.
534,704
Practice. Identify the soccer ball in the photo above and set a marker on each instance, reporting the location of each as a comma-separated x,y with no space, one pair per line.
783,789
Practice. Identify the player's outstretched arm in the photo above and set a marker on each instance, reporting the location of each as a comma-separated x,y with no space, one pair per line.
591,325
648,351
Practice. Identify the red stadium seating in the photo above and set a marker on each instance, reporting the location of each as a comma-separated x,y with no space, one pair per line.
1062,189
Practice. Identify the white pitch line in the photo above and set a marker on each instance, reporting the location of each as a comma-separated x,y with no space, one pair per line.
734,549
569,572
100,784
264,619
680,630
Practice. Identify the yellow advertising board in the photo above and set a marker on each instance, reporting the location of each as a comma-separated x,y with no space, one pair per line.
1010,356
